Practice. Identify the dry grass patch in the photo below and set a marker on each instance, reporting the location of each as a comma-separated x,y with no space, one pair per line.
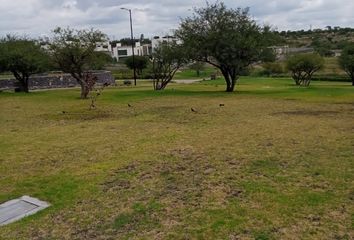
259,167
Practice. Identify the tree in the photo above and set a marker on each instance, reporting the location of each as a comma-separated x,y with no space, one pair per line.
268,55
100,60
140,63
272,68
323,46
22,57
128,41
197,66
167,58
346,61
225,38
303,66
74,52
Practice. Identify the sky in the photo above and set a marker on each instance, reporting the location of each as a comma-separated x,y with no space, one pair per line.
37,18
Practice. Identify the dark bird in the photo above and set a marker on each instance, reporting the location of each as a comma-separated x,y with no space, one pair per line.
64,112
221,105
129,105
193,110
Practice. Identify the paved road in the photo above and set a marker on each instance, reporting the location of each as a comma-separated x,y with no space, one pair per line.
187,81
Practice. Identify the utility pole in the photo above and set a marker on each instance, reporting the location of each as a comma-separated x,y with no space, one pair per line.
132,41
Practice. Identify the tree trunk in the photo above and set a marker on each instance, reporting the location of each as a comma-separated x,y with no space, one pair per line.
162,85
226,75
230,87
23,80
84,90
24,86
160,88
230,80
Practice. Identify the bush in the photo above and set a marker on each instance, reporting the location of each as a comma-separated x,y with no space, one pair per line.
127,82
271,69
303,66
140,63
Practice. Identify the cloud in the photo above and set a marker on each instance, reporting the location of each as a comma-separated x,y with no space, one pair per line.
154,17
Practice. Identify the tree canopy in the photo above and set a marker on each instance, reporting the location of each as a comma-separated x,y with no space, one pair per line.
167,58
346,61
22,57
228,39
140,63
74,52
303,66
197,66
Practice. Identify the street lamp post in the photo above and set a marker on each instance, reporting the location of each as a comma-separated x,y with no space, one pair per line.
132,39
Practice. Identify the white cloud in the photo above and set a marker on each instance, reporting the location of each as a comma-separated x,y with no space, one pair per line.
36,17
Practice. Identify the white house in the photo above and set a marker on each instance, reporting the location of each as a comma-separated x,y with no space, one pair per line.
103,47
121,52
157,40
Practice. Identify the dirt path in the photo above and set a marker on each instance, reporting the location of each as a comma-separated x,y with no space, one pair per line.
187,81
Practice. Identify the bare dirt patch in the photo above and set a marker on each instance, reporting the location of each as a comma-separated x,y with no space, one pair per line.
306,113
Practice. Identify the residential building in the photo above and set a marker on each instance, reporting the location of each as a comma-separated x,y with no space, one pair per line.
120,51
157,40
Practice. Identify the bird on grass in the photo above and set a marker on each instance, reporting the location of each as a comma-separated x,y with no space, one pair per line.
64,112
129,105
193,110
221,105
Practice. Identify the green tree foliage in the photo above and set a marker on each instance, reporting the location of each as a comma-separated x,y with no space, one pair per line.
268,55
197,66
100,60
140,63
167,58
272,68
228,39
346,61
127,41
22,57
323,46
303,66
74,52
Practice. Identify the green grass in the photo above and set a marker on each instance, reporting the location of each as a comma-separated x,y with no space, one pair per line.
6,76
186,73
331,71
192,74
276,162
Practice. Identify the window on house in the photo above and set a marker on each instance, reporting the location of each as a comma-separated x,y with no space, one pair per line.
122,52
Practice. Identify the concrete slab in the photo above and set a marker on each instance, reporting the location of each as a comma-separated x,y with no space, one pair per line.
17,209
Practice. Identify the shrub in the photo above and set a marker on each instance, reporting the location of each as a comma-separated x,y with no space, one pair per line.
303,66
271,69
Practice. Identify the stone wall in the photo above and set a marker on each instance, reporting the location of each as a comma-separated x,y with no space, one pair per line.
59,80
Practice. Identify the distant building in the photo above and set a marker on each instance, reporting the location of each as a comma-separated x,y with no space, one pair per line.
157,40
337,52
282,51
301,50
103,47
119,51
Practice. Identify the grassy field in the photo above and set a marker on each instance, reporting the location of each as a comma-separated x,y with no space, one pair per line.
6,76
275,162
192,74
120,71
